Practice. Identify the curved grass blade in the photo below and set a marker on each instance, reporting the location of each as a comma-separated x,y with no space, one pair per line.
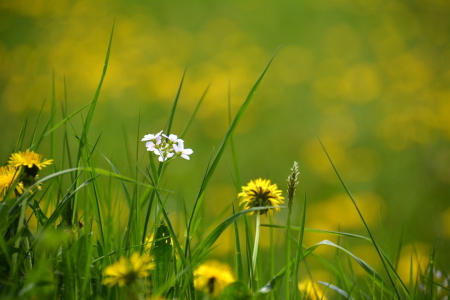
87,122
226,139
337,233
336,289
378,279
239,263
207,242
175,103
377,248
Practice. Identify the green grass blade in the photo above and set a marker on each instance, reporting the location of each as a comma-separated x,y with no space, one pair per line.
87,122
300,246
239,262
162,253
226,139
336,289
365,223
231,129
33,134
378,279
174,105
191,118
41,136
207,242
21,137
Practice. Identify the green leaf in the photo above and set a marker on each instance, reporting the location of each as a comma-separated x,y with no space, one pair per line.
336,289
210,171
207,242
40,216
236,291
162,252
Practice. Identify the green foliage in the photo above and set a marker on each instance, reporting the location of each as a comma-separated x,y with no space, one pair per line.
60,235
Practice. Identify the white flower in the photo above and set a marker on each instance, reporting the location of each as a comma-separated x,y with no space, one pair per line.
173,138
180,151
165,157
156,138
150,146
166,147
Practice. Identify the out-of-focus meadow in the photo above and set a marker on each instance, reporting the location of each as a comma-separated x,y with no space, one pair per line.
370,78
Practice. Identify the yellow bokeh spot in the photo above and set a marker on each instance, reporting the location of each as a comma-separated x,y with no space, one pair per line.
340,212
413,261
445,219
360,83
408,73
343,42
294,65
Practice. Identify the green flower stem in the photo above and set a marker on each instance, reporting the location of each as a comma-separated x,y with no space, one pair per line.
288,254
255,247
19,227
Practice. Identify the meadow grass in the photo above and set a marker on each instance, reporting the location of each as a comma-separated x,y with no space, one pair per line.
100,234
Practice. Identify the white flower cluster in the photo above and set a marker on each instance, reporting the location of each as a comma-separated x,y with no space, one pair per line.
167,147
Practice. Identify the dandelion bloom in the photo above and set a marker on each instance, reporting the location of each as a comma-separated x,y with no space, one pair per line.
28,159
8,175
311,290
127,271
212,277
261,192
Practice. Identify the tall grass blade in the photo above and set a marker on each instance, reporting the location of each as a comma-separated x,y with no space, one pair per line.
90,115
174,105
336,289
207,242
299,246
394,286
226,139
237,245
33,134
21,137
162,253
191,118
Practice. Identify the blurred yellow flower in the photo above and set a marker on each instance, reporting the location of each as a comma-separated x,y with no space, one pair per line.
28,159
127,271
212,277
8,175
311,290
261,192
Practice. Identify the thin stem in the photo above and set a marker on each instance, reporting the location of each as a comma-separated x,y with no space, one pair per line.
19,227
288,254
255,247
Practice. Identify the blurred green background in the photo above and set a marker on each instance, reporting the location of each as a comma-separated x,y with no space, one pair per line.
370,78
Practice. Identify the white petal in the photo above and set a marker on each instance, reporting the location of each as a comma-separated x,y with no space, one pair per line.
188,151
147,137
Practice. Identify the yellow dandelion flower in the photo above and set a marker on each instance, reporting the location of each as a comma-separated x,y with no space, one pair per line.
311,290
28,159
127,271
261,192
8,175
212,277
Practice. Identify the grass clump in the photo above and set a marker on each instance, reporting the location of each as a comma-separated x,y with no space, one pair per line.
86,244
